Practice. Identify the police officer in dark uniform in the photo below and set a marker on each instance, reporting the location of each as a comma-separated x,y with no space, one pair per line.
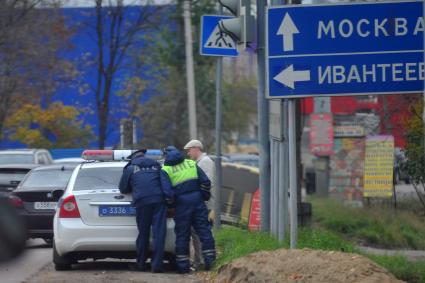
191,188
141,177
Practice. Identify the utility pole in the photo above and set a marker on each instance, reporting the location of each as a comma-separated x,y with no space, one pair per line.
189,70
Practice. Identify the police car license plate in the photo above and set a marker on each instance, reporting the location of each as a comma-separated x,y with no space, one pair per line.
116,210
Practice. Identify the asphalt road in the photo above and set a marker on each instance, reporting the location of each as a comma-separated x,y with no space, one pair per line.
35,266
108,271
35,257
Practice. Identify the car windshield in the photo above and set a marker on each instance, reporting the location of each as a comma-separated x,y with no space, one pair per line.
97,178
16,159
47,178
10,174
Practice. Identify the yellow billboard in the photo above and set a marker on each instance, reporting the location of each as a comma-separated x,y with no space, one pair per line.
379,164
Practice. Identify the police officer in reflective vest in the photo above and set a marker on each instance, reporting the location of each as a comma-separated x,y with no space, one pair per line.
141,177
191,189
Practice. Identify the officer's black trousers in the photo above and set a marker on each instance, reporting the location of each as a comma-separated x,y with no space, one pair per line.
191,211
146,216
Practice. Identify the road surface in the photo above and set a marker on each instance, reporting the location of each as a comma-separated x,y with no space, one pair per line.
35,257
35,266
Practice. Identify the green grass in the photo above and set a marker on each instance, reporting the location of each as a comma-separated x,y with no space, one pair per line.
412,272
377,226
234,242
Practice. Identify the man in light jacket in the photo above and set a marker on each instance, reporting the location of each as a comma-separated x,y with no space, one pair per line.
195,152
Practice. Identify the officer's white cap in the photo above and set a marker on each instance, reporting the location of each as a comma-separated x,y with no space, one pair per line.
194,143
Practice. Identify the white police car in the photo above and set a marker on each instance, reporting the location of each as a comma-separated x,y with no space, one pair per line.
93,219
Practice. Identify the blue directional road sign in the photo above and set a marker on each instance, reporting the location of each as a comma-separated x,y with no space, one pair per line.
213,41
345,49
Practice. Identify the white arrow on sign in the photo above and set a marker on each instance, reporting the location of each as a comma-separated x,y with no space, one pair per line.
288,76
288,29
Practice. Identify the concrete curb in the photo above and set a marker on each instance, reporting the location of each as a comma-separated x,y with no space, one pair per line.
411,255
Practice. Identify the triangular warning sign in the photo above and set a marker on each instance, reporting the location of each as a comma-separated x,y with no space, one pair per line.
219,39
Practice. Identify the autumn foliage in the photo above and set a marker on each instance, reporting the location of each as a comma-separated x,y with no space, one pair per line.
57,126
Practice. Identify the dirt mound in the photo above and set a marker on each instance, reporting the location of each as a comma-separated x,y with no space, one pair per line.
303,266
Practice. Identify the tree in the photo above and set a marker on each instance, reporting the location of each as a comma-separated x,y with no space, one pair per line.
164,116
57,126
415,149
240,106
30,67
116,30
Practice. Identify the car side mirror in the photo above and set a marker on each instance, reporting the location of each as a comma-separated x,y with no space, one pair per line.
57,194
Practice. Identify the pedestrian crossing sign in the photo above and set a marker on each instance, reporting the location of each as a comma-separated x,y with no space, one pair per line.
213,41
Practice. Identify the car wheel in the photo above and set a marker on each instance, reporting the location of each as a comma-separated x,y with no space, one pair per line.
61,262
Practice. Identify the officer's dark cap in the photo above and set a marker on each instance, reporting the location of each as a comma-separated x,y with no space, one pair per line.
169,148
137,153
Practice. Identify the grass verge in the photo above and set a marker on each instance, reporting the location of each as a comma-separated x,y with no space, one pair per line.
412,272
377,226
234,242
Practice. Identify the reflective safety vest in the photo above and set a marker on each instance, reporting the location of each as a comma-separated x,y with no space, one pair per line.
181,172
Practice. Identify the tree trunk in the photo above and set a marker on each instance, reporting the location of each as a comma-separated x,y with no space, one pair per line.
6,100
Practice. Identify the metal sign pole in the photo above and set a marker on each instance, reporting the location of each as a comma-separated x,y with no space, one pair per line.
272,185
218,117
282,165
293,172
275,194
275,188
284,174
263,120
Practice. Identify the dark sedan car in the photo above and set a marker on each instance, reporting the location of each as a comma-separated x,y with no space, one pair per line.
11,175
37,195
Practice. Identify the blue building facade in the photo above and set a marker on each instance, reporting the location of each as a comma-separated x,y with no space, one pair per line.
84,54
